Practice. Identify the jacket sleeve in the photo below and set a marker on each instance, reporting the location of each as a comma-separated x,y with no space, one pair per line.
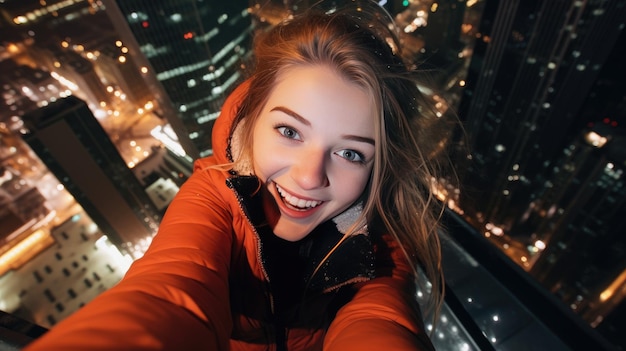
173,298
384,313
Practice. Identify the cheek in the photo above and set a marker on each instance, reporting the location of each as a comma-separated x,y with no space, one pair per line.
263,164
259,165
259,155
354,186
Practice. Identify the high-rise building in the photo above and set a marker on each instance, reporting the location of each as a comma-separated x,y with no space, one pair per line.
71,142
579,217
20,210
535,84
531,71
55,272
196,51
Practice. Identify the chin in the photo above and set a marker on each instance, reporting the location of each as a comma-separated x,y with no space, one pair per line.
291,232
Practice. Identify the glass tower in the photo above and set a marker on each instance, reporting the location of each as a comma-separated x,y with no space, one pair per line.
196,50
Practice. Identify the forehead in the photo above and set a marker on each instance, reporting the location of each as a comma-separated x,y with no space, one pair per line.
317,92
312,73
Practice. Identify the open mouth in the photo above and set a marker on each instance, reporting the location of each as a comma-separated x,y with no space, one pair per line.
296,203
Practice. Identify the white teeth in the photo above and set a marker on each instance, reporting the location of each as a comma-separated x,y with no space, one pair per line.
296,202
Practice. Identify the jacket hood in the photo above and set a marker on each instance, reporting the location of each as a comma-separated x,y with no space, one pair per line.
221,134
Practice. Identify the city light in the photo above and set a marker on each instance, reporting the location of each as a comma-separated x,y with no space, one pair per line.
52,10
617,286
24,250
595,139
121,260
66,82
167,136
540,245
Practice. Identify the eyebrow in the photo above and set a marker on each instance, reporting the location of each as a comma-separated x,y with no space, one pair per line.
307,123
292,114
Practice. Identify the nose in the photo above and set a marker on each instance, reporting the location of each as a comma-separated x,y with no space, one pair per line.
309,170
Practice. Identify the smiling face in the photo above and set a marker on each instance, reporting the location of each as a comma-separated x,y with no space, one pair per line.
313,148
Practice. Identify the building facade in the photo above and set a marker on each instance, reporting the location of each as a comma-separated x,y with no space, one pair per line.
195,51
76,149
541,183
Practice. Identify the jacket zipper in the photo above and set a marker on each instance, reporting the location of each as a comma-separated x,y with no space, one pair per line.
263,270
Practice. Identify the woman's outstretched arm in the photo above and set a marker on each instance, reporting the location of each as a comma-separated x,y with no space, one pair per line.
173,298
384,313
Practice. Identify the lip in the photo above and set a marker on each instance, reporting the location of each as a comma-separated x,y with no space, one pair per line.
291,210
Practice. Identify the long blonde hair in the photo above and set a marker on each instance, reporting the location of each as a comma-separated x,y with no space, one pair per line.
399,196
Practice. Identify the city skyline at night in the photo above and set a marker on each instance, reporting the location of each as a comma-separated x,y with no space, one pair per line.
538,87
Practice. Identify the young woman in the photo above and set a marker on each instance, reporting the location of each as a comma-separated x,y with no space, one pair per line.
305,228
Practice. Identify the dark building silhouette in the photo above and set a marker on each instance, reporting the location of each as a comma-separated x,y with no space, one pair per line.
70,141
581,216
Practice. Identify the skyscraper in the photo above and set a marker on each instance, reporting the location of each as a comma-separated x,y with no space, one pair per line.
71,142
535,86
196,50
529,77
579,218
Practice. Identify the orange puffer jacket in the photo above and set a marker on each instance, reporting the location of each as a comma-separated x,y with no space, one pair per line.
211,281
